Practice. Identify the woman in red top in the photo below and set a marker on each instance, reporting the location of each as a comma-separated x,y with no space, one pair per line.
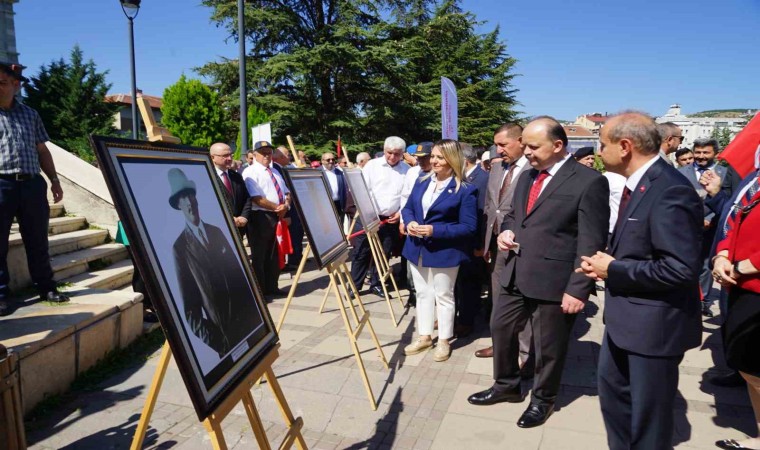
736,266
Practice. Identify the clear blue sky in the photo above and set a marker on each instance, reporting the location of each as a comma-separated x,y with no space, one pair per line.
573,57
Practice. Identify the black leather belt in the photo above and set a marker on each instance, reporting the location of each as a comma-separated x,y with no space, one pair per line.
18,176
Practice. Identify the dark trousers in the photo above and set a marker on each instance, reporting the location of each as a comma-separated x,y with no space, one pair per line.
296,238
551,332
262,230
27,201
637,393
467,290
362,262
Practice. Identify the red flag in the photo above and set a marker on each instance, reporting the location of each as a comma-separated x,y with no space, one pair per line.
284,245
339,147
740,153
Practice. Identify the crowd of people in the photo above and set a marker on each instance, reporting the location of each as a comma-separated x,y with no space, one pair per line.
535,225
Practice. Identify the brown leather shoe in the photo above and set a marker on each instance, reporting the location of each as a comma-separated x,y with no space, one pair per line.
485,352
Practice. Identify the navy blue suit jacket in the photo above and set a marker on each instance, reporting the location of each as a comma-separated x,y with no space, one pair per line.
453,216
652,304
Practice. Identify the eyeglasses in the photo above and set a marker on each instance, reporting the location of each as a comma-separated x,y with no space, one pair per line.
329,160
226,155
680,138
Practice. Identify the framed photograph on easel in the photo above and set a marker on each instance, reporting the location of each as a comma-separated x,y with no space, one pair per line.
193,262
364,203
316,209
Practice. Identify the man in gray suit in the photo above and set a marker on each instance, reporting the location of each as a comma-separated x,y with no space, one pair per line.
501,187
218,303
705,151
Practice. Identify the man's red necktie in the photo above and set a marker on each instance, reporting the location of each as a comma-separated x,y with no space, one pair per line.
226,181
535,190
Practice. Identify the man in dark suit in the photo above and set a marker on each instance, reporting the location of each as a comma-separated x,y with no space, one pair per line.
705,165
502,180
471,272
560,211
337,183
652,292
233,185
218,304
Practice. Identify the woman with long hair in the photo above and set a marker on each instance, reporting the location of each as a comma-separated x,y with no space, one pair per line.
441,222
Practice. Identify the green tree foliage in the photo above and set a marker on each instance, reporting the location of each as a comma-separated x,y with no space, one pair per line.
365,69
723,135
193,113
71,99
256,116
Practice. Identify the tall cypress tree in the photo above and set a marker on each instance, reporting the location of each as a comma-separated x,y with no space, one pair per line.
71,100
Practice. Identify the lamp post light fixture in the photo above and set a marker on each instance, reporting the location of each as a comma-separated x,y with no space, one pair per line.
131,8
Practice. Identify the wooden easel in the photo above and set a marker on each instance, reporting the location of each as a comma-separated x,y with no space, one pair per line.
340,283
213,423
155,132
383,272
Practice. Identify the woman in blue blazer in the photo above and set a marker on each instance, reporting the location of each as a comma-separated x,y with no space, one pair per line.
441,222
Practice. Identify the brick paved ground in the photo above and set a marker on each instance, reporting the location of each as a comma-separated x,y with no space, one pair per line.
422,404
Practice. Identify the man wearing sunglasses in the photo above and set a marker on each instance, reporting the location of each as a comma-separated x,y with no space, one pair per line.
672,137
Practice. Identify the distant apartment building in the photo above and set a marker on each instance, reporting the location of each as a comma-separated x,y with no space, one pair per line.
700,127
579,136
123,117
593,122
7,32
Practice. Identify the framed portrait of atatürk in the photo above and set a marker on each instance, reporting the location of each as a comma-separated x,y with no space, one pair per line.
185,245
313,201
359,191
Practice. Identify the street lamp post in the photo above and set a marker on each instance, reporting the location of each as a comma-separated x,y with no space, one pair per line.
131,8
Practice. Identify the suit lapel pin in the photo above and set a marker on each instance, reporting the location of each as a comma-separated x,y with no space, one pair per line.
642,189
450,191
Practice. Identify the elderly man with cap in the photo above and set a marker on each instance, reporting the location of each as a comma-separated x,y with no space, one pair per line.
217,302
270,201
585,156
23,154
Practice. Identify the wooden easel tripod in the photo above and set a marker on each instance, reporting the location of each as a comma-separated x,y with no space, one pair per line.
213,423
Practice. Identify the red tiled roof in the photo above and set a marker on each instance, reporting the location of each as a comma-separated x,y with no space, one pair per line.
577,131
126,99
597,119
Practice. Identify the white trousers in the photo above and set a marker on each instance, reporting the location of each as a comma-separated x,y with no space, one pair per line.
435,296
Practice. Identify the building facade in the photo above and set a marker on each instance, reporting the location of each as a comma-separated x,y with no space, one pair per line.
8,50
700,127
593,122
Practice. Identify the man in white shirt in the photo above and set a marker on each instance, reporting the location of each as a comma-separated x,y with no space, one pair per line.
385,180
270,201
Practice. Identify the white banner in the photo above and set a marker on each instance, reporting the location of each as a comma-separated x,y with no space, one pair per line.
449,109
262,132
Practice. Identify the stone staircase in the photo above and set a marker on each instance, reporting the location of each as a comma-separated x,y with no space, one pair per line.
55,343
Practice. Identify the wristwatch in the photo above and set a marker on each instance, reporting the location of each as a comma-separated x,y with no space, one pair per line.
736,269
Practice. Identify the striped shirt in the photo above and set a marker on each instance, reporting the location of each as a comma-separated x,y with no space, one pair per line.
21,129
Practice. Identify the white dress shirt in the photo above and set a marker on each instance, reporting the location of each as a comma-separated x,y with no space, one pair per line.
332,180
432,193
259,184
385,183
199,232
617,184
635,177
553,171
519,164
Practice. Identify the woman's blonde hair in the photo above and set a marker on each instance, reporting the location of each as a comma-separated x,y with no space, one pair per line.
452,154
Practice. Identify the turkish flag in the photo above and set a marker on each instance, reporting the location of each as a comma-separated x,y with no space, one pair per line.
339,147
284,245
740,153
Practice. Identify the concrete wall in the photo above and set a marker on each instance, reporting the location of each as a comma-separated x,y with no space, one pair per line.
84,189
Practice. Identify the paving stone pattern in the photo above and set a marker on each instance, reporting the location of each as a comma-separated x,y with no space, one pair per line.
422,404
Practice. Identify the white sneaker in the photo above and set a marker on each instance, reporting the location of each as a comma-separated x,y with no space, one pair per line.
418,346
442,351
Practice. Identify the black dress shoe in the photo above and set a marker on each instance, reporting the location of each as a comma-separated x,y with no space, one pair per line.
730,444
5,309
377,290
54,297
491,396
706,310
535,415
733,379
